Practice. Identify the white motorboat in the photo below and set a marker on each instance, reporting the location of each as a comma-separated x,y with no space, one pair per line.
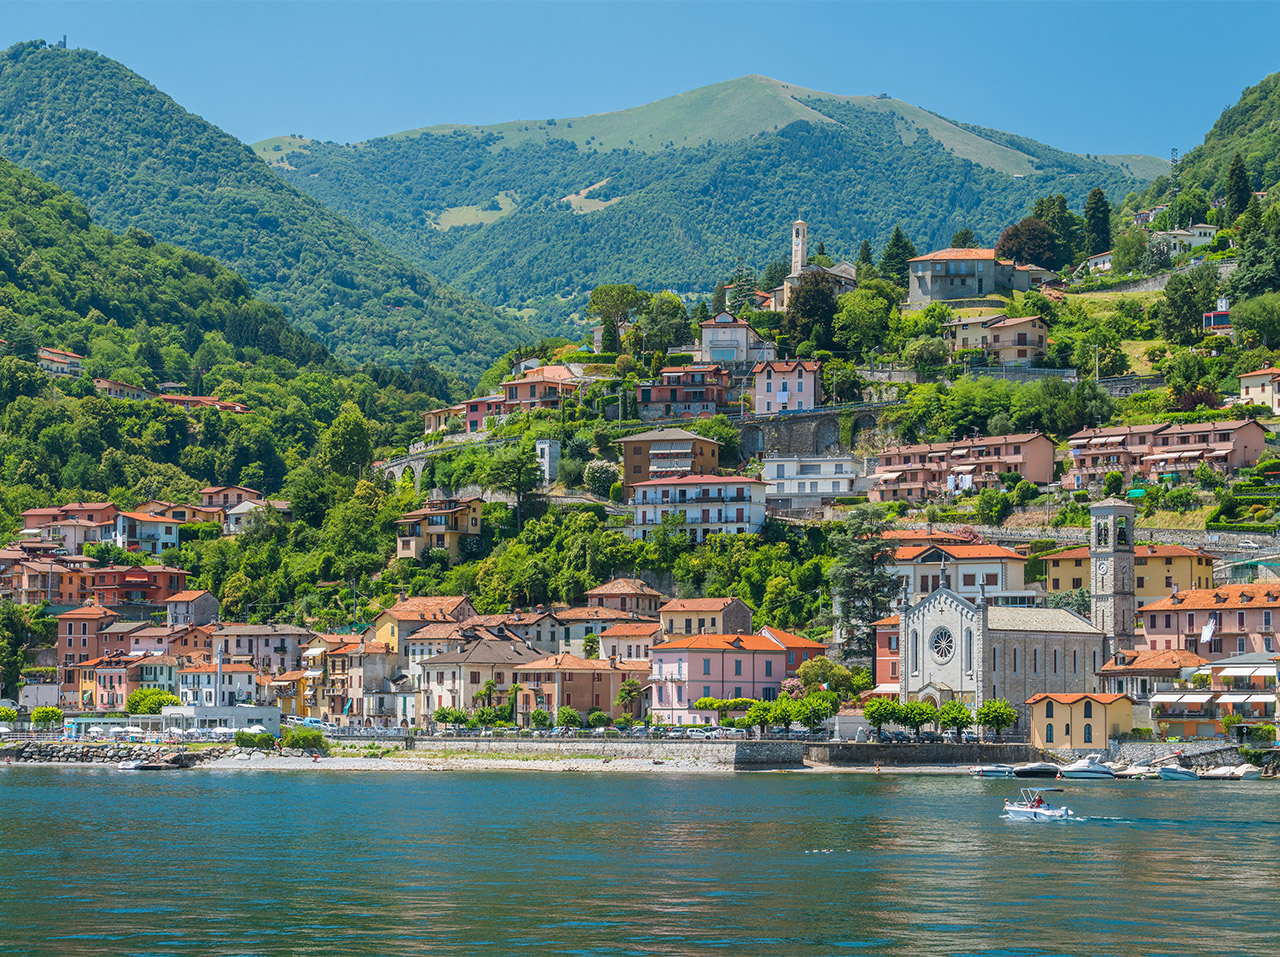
1228,772
1036,769
1032,806
1137,772
1087,767
1175,772
992,771
134,765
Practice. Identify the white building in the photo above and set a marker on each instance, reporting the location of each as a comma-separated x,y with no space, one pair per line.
726,338
548,459
145,531
200,685
1100,261
808,481
191,717
1185,240
709,504
971,571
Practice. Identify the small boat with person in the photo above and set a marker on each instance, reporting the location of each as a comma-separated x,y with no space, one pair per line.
1033,806
1088,767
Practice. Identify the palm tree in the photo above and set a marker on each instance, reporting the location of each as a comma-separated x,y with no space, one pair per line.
514,692
487,691
628,694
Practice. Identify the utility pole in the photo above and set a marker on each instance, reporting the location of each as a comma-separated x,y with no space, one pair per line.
1095,363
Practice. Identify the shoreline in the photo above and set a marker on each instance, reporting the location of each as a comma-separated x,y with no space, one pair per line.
424,762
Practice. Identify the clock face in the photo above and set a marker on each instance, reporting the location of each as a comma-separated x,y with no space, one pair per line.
1102,568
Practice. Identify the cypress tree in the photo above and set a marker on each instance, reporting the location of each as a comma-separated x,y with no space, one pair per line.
893,261
1097,223
864,254
1238,191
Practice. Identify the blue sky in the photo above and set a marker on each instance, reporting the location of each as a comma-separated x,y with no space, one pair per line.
1100,77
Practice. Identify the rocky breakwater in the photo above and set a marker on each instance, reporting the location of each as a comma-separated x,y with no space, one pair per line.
258,754
70,752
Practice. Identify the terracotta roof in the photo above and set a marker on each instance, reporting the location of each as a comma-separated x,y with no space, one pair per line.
213,489
910,552
702,480
891,620
425,608
507,619
940,537
1145,662
1073,698
952,252
289,675
226,669
625,586
1139,551
962,443
721,643
596,614
1233,597
657,435
1006,321
630,629
698,604
567,662
786,365
788,640
146,517
186,596
87,611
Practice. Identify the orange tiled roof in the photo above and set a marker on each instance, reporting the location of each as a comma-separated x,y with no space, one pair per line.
1232,597
425,608
632,629
891,620
1169,659
186,596
909,552
625,586
595,614
789,640
721,643
1073,698
698,604
951,252
567,662
1139,551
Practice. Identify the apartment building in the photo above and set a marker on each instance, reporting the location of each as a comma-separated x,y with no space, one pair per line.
1162,451
540,388
972,571
584,684
626,594
1159,570
709,504
1213,622
922,471
1007,341
689,392
1261,387
444,524
962,274
801,482
709,616
787,385
726,338
663,452
713,666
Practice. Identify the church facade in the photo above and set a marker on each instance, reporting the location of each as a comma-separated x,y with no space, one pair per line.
953,648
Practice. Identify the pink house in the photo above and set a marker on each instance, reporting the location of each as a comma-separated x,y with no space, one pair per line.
787,385
713,666
1216,623
487,406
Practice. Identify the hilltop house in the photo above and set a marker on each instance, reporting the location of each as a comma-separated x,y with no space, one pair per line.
729,339
1007,341
785,385
663,453
962,274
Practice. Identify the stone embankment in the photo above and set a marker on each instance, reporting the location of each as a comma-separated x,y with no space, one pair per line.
252,754
63,752
920,755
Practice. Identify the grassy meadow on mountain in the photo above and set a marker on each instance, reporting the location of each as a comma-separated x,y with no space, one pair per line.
138,159
672,194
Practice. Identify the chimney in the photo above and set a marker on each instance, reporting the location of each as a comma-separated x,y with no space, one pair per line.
613,661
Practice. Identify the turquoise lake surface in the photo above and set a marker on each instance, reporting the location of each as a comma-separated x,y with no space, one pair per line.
232,862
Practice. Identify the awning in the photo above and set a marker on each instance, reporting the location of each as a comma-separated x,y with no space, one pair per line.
1165,698
1234,697
1199,697
1247,671
313,673
1191,455
314,652
1078,442
888,476
1098,441
964,468
1261,698
887,688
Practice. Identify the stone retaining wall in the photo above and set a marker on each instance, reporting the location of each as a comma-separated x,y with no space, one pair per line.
740,755
919,755
61,752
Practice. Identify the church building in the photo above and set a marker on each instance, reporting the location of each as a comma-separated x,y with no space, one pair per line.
843,274
953,647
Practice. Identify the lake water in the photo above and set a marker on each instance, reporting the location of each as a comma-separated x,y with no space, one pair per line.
100,862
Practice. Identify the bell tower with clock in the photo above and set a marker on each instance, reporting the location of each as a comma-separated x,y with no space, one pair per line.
799,246
1111,582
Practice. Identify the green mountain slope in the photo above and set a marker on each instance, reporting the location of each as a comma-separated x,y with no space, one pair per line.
1251,128
138,159
674,193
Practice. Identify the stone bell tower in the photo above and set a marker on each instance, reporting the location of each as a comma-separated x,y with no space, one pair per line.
799,246
1113,605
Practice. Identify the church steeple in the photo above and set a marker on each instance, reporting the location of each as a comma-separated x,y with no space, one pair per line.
799,246
1112,602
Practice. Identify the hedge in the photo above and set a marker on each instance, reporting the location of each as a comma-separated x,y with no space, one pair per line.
1241,526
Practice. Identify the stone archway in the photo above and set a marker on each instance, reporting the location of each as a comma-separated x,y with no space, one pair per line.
826,433
408,472
865,420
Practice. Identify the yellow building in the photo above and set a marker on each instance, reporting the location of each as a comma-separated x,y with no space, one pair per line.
1078,721
406,616
295,692
1159,569
438,524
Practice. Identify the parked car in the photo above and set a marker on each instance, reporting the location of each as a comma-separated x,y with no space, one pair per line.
1248,544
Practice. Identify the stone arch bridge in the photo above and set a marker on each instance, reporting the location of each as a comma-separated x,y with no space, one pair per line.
811,432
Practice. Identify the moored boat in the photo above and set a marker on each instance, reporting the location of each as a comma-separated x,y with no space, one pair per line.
992,771
1090,766
1137,772
1232,772
1032,806
134,765
1036,769
1174,772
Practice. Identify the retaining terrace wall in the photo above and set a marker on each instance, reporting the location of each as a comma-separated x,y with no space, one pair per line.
921,755
740,755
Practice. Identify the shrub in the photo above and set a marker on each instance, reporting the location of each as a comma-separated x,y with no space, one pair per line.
1025,492
46,715
1080,496
266,741
1263,732
1113,483
8,714
615,492
305,739
599,477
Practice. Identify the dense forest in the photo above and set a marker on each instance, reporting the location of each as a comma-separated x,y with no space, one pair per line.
676,218
144,312
1250,127
137,159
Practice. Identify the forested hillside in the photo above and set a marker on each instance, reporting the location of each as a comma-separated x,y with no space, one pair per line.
144,312
536,214
138,159
1251,128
